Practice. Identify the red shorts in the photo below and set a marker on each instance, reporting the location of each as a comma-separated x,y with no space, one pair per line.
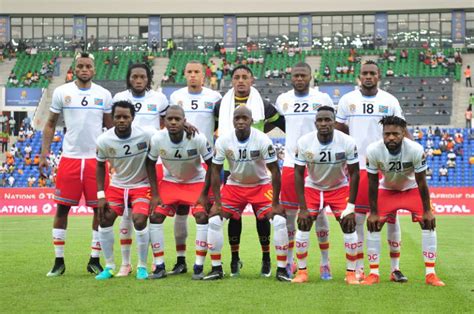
362,200
75,177
288,197
138,198
390,201
316,200
173,194
234,199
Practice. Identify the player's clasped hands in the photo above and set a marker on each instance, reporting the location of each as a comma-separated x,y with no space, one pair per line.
154,202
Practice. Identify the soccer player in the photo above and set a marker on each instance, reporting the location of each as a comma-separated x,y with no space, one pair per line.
125,147
198,104
185,182
326,153
150,108
249,152
299,107
358,115
86,107
265,118
403,165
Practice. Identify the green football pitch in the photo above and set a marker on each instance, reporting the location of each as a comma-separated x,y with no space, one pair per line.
27,255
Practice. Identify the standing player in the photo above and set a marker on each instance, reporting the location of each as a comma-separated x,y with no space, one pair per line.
358,115
265,117
86,107
403,165
185,182
299,106
326,153
150,108
125,147
198,104
249,152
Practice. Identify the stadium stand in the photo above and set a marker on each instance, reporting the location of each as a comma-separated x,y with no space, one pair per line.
42,62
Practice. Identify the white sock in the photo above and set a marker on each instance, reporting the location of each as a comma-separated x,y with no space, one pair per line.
302,246
126,227
373,251
322,232
394,239
350,244
360,225
59,240
157,243
215,239
95,245
107,243
280,238
143,240
429,244
201,243
180,234
291,227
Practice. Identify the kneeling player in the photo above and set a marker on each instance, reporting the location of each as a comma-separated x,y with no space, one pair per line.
403,165
249,152
185,182
125,148
326,153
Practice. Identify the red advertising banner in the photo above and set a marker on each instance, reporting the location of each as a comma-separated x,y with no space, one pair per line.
39,201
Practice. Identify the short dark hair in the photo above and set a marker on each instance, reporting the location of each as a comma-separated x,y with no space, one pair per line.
393,120
85,54
241,67
176,107
327,108
124,104
302,65
149,75
370,61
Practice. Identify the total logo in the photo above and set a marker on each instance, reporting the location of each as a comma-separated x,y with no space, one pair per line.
451,209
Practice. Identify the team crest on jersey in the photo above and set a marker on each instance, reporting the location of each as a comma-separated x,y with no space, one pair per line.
308,155
285,107
141,145
162,152
340,156
229,154
383,109
151,107
98,101
111,151
352,108
208,104
192,152
180,103
67,100
316,106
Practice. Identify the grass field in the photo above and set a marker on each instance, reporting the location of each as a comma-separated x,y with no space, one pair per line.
27,255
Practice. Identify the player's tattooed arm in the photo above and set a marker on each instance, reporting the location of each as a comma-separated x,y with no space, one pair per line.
48,133
428,221
373,223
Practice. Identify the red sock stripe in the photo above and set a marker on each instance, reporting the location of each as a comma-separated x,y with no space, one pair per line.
96,248
201,253
351,258
291,245
181,247
265,248
215,257
158,254
395,254
126,241
428,264
301,255
360,255
59,242
281,258
234,247
374,266
324,246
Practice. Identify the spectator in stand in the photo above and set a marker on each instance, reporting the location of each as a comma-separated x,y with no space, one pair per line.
389,72
338,69
35,77
41,182
467,76
268,73
437,131
471,160
459,152
116,60
31,181
12,124
219,77
429,173
327,73
429,143
416,133
28,160
275,73
451,163
3,182
27,150
458,138
11,180
316,77
458,57
443,172
404,54
56,137
29,133
4,140
70,75
36,160
450,145
21,135
468,113
443,145
26,122
429,152
451,155
213,82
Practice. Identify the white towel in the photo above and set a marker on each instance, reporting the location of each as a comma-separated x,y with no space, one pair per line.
226,110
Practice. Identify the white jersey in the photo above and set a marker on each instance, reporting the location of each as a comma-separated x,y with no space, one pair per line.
148,108
248,159
363,113
398,170
198,108
83,111
181,161
326,163
300,113
126,156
